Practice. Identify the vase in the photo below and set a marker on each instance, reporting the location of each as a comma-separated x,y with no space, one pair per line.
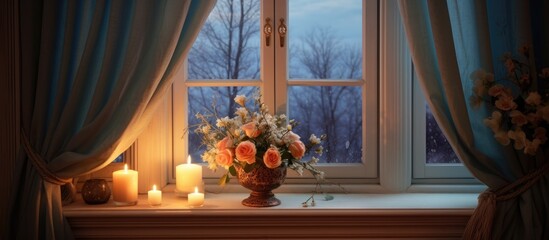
261,180
96,191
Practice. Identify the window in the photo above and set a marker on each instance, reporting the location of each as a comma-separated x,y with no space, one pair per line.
322,73
379,93
438,160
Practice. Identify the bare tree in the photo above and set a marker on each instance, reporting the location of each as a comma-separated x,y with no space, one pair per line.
227,48
333,110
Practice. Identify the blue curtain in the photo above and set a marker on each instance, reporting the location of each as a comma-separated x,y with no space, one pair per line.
451,39
93,74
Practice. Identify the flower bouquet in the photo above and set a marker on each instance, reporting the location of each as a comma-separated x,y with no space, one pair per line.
519,103
256,147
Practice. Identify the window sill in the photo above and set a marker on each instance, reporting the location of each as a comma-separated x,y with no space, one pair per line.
404,215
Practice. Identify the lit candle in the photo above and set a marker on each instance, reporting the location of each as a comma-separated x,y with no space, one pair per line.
155,196
187,176
124,187
196,199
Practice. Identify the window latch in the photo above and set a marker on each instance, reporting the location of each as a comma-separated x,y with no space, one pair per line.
267,30
282,32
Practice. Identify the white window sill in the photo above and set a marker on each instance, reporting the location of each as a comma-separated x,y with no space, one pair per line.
403,215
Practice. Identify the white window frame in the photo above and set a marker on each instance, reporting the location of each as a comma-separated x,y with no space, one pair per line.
393,138
421,170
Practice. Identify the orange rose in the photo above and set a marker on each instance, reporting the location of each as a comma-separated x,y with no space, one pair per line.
245,151
272,158
224,158
251,130
297,149
225,143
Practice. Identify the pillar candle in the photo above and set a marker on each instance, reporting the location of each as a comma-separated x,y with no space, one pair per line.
196,199
187,176
155,196
124,184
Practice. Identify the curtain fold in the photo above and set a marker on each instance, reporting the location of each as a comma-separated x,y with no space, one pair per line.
451,39
93,75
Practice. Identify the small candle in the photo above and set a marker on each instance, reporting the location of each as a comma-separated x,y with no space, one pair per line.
196,199
155,196
187,176
124,187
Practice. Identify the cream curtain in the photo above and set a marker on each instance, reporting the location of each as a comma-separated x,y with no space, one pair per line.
93,74
448,41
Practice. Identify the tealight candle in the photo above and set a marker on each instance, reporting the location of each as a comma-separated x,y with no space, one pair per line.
155,196
187,176
196,199
124,187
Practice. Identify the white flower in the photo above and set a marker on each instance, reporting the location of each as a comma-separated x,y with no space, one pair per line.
241,100
206,129
242,112
223,122
314,140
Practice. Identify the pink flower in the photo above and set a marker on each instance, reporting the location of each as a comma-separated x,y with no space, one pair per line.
224,158
497,90
518,118
509,65
291,137
251,130
502,137
531,147
544,73
225,143
494,121
245,151
533,99
540,133
505,103
297,149
519,137
272,158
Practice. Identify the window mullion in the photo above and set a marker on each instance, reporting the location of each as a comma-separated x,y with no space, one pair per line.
267,53
281,58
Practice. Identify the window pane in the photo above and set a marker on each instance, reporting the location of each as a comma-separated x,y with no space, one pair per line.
438,150
325,39
334,111
119,159
228,44
202,100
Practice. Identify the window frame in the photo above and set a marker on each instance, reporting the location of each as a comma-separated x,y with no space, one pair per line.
394,135
422,170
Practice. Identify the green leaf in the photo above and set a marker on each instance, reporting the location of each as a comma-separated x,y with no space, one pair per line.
232,170
328,197
224,179
249,167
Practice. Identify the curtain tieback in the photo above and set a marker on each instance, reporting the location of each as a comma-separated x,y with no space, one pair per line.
40,164
480,223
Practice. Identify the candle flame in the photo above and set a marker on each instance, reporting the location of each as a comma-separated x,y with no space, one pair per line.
189,159
195,189
126,167
154,187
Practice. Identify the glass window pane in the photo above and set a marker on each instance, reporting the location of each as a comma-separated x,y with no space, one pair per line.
325,39
228,44
334,111
203,100
438,150
119,159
